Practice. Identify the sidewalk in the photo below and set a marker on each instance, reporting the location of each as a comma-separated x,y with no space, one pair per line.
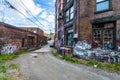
44,49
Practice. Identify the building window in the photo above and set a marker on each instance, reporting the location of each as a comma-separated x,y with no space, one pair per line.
103,36
102,5
69,14
69,37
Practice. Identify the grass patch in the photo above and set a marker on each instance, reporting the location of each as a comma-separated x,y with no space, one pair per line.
111,67
3,77
6,65
2,69
13,66
5,57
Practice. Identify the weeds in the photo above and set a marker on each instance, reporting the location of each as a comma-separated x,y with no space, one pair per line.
2,69
13,66
5,64
3,77
111,67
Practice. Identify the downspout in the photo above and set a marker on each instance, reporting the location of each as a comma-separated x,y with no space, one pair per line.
75,26
78,27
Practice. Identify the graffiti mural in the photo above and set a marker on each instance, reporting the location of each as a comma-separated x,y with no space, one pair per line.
83,50
9,49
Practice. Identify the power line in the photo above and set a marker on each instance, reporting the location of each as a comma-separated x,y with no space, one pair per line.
32,14
27,18
24,7
24,15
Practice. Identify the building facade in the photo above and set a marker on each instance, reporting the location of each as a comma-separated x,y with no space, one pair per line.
96,21
59,23
34,30
66,23
12,39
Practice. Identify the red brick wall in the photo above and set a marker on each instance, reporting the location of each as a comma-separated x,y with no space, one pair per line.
38,30
85,32
13,36
87,14
115,10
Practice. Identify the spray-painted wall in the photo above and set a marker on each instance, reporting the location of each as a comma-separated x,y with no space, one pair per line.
11,46
9,49
12,39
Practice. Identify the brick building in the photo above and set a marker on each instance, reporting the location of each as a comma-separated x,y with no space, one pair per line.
65,25
59,34
96,21
41,39
34,30
13,38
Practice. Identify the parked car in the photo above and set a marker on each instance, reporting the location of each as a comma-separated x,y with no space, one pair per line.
52,44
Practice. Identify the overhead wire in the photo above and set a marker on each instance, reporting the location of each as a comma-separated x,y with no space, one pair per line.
30,13
28,18
25,15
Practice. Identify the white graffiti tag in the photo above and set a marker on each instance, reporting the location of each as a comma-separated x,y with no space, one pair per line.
8,49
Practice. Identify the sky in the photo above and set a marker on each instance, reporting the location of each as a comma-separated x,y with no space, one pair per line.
28,13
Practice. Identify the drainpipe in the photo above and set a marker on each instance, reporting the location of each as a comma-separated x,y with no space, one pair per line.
75,26
78,11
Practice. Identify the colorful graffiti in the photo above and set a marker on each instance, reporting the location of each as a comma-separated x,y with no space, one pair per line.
9,49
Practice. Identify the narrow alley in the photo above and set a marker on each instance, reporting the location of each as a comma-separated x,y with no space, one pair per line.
42,65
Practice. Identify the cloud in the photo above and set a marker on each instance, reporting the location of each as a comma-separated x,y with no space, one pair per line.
51,18
43,13
32,7
47,20
21,6
53,0
47,16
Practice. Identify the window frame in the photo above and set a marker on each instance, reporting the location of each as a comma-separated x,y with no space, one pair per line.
103,10
69,14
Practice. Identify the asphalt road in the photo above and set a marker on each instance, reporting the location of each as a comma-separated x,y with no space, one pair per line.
41,65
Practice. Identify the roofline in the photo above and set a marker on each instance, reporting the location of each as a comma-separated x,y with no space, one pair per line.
11,26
